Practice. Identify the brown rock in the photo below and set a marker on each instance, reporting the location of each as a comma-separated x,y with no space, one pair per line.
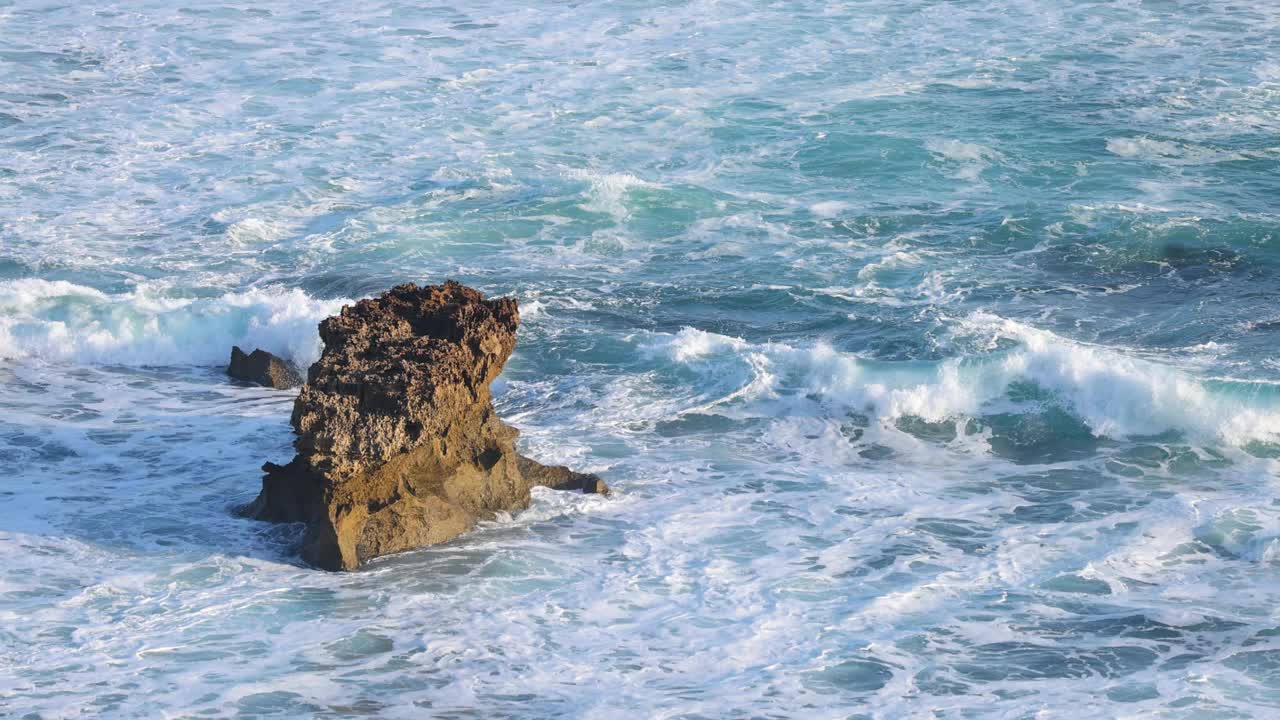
560,477
398,442
263,368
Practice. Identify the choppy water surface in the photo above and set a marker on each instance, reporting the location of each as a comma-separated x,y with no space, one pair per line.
930,349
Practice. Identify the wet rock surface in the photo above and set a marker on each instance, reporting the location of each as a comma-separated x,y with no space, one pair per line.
263,368
398,443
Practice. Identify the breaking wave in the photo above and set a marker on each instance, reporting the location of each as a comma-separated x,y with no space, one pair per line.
1018,368
58,320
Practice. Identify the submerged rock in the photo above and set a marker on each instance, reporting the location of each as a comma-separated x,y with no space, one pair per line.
263,368
398,443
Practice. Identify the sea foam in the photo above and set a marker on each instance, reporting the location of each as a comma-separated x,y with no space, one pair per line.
1115,394
58,320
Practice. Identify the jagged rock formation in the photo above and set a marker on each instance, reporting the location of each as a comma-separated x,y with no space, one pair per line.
263,368
398,442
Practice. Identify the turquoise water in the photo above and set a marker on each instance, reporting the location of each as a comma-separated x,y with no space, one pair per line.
930,349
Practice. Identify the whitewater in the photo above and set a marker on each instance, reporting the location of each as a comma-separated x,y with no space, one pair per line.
929,350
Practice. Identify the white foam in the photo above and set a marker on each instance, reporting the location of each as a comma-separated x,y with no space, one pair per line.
609,191
1173,153
47,320
961,151
532,309
17,293
893,261
829,208
253,231
1121,395
1114,393
1142,147
972,158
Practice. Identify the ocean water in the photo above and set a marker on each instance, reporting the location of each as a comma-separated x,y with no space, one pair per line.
930,349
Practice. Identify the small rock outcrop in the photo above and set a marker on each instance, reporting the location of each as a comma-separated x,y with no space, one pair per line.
263,368
398,443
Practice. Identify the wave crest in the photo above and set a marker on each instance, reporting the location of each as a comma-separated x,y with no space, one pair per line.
58,320
1016,368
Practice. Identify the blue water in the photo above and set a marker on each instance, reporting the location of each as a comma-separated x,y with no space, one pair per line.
930,349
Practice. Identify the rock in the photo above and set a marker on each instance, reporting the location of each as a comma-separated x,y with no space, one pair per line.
560,477
263,368
398,443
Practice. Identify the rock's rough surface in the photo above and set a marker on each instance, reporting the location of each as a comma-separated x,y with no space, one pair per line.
263,368
398,442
